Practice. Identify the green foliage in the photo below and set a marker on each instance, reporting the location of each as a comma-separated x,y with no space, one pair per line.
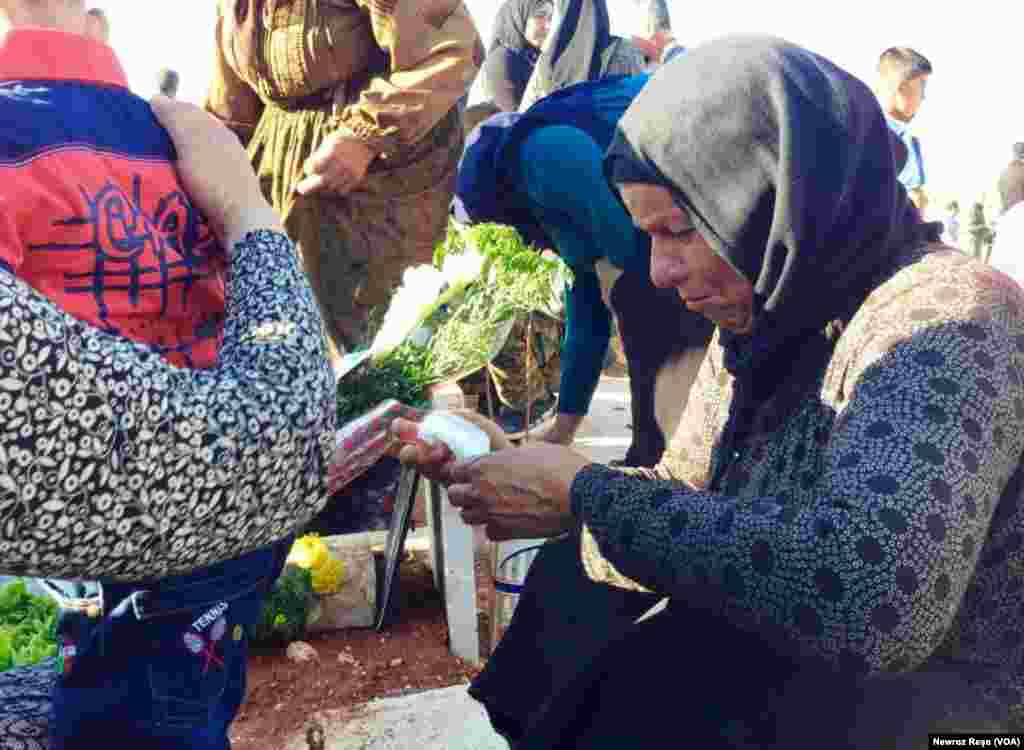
286,610
468,323
402,375
517,279
27,625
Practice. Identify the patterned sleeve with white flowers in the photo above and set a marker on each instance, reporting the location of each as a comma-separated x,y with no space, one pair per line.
117,465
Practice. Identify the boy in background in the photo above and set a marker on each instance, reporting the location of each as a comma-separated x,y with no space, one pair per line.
903,74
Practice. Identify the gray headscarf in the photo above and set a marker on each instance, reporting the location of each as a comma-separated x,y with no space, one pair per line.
787,166
580,48
510,24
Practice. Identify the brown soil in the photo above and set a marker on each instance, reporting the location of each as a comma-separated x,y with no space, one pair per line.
356,666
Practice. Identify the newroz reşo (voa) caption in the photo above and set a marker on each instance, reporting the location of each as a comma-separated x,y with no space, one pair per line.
976,740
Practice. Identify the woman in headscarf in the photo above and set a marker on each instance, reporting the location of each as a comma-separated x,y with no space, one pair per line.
510,175
582,49
837,521
519,33
349,111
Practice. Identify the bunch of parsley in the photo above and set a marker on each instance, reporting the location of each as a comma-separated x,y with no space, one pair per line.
27,626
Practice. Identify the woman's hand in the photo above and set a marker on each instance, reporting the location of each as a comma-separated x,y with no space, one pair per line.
563,429
519,493
215,171
339,165
433,461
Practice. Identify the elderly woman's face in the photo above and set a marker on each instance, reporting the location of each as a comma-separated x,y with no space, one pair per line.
538,26
682,258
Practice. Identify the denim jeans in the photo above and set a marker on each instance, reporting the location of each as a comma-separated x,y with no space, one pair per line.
163,664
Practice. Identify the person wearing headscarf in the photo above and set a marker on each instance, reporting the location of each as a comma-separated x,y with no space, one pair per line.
350,110
1008,247
520,29
582,48
836,524
541,172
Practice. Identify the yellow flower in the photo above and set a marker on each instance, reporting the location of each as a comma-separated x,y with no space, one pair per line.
329,577
308,552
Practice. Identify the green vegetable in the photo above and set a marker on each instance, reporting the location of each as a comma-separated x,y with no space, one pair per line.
402,375
285,612
469,324
27,625
516,280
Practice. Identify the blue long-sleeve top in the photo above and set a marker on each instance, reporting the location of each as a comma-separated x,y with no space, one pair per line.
560,176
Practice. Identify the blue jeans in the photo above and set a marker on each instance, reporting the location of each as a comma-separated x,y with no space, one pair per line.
163,665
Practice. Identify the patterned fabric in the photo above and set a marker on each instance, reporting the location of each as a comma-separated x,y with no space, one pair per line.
875,520
200,466
25,706
389,69
116,465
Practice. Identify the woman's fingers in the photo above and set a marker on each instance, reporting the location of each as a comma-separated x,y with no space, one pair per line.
475,517
325,175
409,455
312,184
464,496
467,472
319,162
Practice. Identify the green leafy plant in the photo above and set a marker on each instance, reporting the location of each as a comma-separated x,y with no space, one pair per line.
286,611
27,626
402,375
469,321
516,279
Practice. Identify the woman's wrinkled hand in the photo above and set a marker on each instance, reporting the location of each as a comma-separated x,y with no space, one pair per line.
339,166
433,461
518,493
215,171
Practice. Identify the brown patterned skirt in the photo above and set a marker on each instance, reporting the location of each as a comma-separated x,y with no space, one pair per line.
356,247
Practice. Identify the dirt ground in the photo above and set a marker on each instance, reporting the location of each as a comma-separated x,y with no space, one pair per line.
355,666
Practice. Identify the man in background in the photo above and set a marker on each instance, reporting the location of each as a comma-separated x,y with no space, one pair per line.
97,26
902,76
167,82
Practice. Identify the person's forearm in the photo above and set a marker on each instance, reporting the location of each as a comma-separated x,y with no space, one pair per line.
434,52
117,465
588,333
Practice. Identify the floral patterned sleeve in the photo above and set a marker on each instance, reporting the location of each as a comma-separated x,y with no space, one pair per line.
869,565
117,465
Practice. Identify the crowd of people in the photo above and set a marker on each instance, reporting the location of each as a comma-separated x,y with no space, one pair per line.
817,525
